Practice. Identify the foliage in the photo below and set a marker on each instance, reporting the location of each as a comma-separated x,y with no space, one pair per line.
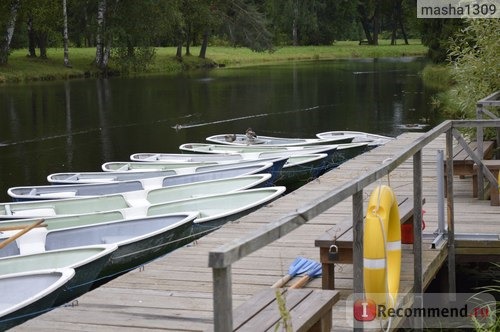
318,22
82,22
245,25
436,34
437,77
473,56
137,60
257,24
493,322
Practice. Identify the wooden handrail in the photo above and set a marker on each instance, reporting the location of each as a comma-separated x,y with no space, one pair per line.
221,258
231,252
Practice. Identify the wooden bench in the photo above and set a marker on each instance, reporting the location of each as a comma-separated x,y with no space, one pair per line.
494,167
309,309
463,165
341,235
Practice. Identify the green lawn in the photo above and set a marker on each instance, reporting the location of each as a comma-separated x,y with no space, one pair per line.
21,68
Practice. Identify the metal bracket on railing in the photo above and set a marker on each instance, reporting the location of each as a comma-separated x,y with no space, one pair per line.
440,234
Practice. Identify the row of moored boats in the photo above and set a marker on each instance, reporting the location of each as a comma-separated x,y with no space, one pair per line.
60,240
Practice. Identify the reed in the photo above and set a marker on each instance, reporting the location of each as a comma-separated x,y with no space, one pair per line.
437,77
286,320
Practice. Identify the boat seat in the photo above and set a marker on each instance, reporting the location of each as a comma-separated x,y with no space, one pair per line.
41,212
138,202
58,194
135,212
72,177
185,170
110,178
152,158
122,168
251,155
32,242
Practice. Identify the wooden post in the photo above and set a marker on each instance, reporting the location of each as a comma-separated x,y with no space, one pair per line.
223,299
479,139
451,212
417,222
357,246
418,285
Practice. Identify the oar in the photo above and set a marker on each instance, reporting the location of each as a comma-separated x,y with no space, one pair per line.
15,228
313,272
20,233
299,265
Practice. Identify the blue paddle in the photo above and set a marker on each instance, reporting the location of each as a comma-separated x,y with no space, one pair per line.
313,272
299,265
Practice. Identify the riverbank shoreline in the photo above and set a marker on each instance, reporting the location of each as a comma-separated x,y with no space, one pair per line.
21,68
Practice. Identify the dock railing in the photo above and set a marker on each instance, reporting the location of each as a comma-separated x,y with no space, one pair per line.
492,100
221,258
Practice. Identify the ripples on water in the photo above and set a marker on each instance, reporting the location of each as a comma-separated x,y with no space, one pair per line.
50,127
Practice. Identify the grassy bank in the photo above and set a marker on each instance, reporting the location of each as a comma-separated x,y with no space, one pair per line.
437,77
21,68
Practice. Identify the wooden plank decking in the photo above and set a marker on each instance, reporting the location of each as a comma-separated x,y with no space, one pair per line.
174,293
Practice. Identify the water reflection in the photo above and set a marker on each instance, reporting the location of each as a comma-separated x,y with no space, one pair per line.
103,104
69,131
77,125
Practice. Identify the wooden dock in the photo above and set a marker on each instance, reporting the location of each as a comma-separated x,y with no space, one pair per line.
174,293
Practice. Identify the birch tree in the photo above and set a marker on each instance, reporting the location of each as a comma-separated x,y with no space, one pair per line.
8,32
102,44
65,35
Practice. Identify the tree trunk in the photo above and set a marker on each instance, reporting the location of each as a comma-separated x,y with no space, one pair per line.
403,31
204,45
365,24
9,31
394,23
87,37
106,54
101,27
295,35
179,44
399,10
376,23
188,40
65,35
31,39
42,44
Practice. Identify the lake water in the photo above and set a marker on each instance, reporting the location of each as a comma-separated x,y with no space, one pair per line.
49,127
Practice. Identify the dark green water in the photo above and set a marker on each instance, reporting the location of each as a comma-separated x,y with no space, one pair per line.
77,125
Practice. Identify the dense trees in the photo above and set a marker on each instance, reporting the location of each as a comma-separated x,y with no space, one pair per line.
436,34
127,30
